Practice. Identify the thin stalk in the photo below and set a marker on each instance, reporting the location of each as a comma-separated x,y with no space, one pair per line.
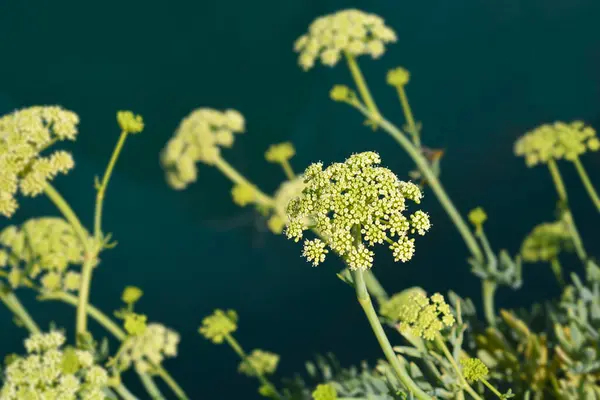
365,301
558,181
101,189
168,379
243,356
375,288
233,175
432,180
567,215
120,335
585,179
440,342
124,393
408,115
492,388
374,115
11,301
89,256
287,169
557,271
488,289
488,286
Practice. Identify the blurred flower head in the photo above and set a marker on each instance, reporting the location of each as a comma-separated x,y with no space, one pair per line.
349,31
199,138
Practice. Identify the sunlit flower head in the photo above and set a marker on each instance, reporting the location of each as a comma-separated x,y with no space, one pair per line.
24,136
199,138
349,31
556,141
353,206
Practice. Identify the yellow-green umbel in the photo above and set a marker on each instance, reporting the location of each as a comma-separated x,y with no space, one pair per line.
354,206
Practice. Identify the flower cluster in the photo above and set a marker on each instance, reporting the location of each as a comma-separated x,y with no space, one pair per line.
353,206
474,369
556,141
398,77
287,191
349,31
425,317
199,138
50,372
546,241
149,348
24,135
217,326
43,249
259,362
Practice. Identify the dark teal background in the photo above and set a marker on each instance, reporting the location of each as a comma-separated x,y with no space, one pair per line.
483,73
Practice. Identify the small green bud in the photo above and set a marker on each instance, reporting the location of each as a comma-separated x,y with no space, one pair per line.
398,77
131,294
341,93
477,217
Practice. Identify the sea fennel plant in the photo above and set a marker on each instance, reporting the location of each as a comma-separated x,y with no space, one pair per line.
434,347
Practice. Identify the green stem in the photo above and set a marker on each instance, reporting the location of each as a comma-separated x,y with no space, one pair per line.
558,181
488,288
567,215
365,301
243,356
120,335
11,301
557,271
287,169
585,179
124,393
238,179
168,379
101,189
150,386
375,288
440,342
374,115
89,256
492,388
408,115
432,180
